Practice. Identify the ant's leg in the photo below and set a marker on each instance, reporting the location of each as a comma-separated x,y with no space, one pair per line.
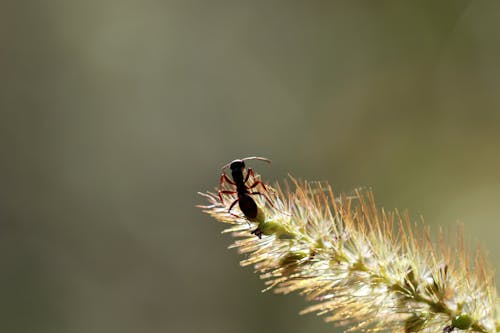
249,172
257,182
224,177
225,192
265,197
231,207
257,232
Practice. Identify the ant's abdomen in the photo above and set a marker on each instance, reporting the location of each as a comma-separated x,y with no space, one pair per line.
248,206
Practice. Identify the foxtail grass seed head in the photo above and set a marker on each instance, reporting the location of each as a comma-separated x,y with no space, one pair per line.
364,268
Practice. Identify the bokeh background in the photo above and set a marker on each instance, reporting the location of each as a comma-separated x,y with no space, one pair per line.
115,113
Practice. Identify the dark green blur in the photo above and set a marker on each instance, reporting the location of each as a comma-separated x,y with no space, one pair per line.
113,114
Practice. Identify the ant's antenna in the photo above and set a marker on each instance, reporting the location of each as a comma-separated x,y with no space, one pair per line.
257,158
246,159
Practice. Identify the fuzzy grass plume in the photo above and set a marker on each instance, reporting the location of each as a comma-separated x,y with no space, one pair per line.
365,268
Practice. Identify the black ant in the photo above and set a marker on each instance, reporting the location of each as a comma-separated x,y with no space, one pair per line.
246,203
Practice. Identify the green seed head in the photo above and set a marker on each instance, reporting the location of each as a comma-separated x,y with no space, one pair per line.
462,321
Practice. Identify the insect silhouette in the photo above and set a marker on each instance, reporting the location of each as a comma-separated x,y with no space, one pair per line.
246,203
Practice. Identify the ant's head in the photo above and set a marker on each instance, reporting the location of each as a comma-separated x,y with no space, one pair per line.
237,165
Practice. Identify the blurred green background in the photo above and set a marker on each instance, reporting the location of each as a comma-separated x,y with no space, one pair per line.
115,113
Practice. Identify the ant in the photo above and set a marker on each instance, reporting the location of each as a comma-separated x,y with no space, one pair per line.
246,203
